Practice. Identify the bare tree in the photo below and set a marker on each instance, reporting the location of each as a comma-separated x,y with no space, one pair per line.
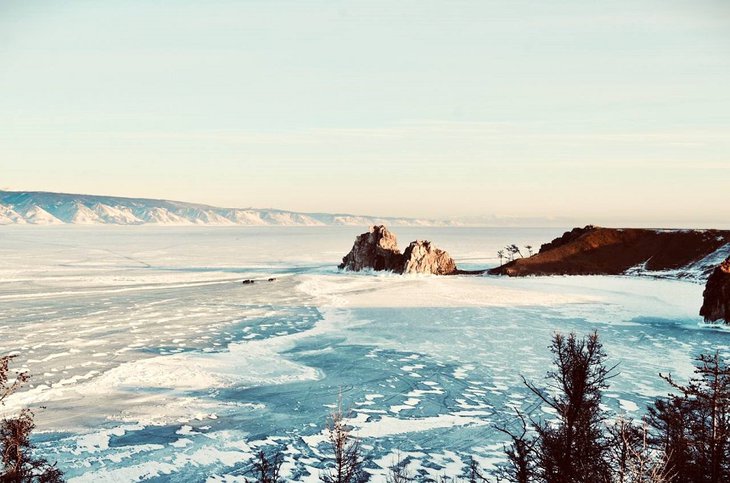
10,382
623,438
631,457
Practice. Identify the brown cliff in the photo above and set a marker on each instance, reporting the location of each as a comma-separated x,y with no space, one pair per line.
613,251
716,297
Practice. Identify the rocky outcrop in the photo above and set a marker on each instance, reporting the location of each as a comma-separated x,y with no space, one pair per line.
421,257
613,251
378,250
716,303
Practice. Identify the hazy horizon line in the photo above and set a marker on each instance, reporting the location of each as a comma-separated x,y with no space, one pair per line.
488,220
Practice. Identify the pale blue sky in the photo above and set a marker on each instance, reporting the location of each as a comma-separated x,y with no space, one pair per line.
610,112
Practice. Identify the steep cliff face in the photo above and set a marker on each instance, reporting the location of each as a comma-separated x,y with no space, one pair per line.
421,257
378,250
716,297
613,251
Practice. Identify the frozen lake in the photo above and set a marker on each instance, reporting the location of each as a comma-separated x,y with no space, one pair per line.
154,363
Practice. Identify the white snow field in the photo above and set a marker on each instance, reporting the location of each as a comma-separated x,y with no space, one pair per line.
152,362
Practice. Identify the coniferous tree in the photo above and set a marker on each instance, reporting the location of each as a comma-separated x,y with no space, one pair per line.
398,472
520,467
693,426
348,459
573,447
474,472
267,469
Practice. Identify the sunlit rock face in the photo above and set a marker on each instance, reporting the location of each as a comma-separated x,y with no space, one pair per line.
716,303
378,250
422,257
593,250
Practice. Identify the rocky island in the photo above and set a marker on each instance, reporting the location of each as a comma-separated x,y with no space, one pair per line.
378,250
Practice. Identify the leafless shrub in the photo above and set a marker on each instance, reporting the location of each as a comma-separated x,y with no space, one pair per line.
18,463
10,381
632,459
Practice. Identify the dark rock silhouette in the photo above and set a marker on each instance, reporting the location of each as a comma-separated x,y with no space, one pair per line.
716,303
378,250
250,281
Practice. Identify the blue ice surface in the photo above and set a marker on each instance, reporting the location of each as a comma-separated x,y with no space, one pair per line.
471,357
457,361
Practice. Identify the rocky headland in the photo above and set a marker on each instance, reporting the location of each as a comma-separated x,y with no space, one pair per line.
378,250
689,254
692,255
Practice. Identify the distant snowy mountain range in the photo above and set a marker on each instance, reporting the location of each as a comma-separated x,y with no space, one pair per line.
44,208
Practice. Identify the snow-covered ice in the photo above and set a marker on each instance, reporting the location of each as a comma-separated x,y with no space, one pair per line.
153,361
